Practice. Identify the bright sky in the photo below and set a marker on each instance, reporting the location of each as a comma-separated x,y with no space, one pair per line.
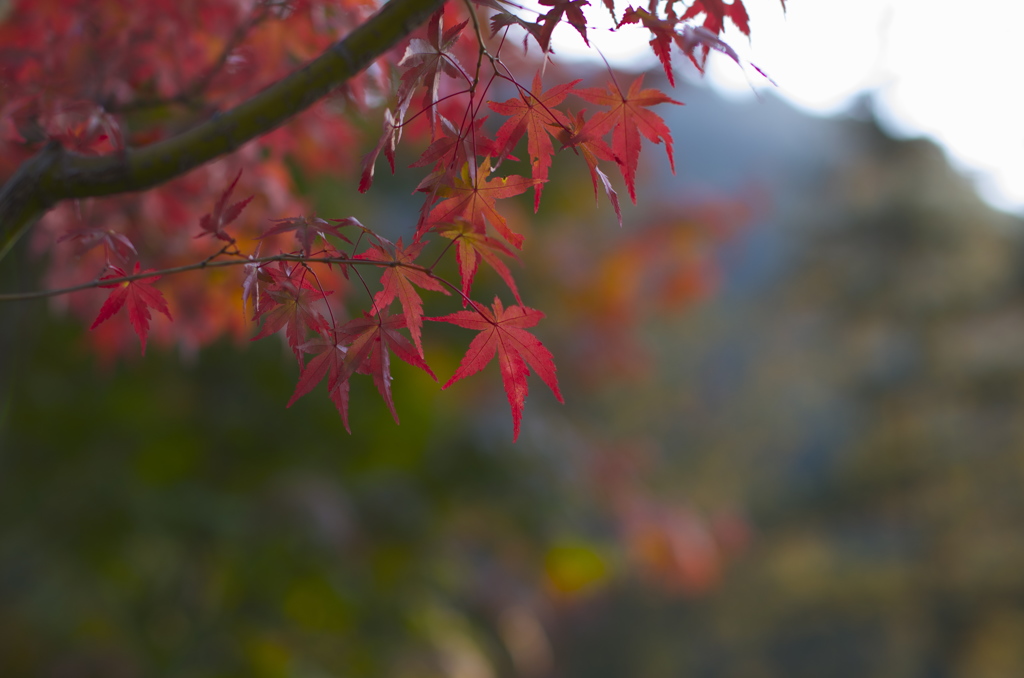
949,70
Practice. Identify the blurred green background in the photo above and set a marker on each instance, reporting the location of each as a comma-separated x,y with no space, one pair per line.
797,449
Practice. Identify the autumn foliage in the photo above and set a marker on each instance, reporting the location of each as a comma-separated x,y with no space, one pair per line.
234,242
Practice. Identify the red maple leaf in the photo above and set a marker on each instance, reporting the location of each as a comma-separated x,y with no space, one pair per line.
452,150
591,148
502,18
424,62
692,37
140,295
116,244
288,301
663,35
471,247
307,229
388,141
541,30
399,279
533,115
573,12
329,360
717,11
371,339
502,333
251,282
627,120
454,147
472,199
213,223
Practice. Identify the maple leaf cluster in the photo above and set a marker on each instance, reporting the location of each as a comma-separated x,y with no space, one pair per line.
127,76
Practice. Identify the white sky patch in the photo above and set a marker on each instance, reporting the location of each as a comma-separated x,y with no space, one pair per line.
946,69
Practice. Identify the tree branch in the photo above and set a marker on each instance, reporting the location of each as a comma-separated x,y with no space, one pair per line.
222,263
198,266
54,174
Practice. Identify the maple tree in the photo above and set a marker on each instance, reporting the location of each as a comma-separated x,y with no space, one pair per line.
109,137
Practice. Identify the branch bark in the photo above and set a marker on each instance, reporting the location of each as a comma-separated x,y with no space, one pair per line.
54,174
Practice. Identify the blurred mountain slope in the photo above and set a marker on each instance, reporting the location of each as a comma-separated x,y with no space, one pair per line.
859,386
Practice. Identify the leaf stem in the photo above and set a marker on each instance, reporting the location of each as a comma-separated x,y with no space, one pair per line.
207,264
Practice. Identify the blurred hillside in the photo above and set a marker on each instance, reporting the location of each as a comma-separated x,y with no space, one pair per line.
858,386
